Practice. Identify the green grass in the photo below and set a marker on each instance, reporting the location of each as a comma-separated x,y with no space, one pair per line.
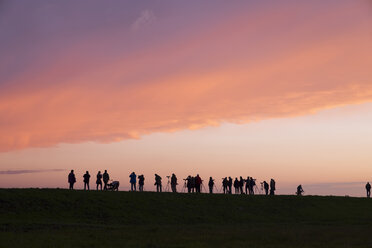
63,218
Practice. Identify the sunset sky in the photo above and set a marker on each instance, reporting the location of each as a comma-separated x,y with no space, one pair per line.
269,89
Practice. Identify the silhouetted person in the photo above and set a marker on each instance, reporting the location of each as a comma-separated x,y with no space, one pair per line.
71,179
133,181
99,180
241,184
189,184
174,183
247,184
266,187
251,186
141,182
229,184
236,185
224,185
106,178
368,188
193,184
198,182
272,187
158,183
299,190
86,180
210,185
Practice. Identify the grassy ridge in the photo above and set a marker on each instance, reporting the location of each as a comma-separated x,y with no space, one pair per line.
62,218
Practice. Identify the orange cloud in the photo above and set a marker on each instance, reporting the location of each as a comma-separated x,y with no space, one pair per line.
212,78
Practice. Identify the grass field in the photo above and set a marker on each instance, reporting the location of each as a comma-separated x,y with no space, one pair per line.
63,218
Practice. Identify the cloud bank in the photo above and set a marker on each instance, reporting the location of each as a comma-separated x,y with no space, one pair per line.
17,172
109,85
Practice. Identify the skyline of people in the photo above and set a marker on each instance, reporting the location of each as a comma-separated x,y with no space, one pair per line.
192,184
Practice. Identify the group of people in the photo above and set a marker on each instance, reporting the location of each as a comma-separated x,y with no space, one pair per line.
86,179
249,186
191,183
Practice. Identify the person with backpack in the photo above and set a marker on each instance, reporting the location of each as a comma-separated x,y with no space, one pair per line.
198,182
133,181
106,178
99,180
71,179
158,183
224,185
299,190
174,183
141,182
86,180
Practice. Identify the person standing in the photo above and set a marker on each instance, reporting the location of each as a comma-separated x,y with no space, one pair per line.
106,178
368,188
266,187
99,179
229,184
141,182
247,185
86,180
158,183
272,187
133,181
241,184
189,184
236,185
224,185
210,185
71,179
198,182
174,183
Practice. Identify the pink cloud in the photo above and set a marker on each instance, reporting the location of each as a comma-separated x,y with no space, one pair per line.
233,72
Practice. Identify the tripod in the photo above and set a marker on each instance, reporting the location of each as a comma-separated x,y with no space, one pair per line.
203,188
167,188
184,186
257,190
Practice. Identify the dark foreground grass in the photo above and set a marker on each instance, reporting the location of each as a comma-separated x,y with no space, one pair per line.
62,218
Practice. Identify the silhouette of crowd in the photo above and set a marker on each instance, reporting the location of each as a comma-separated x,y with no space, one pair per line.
192,184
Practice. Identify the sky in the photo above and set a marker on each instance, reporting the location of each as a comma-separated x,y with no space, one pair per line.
269,89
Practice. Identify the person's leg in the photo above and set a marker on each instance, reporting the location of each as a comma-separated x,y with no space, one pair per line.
88,185
85,186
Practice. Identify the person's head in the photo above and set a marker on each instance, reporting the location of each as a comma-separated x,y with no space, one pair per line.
87,172
99,172
105,171
72,171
